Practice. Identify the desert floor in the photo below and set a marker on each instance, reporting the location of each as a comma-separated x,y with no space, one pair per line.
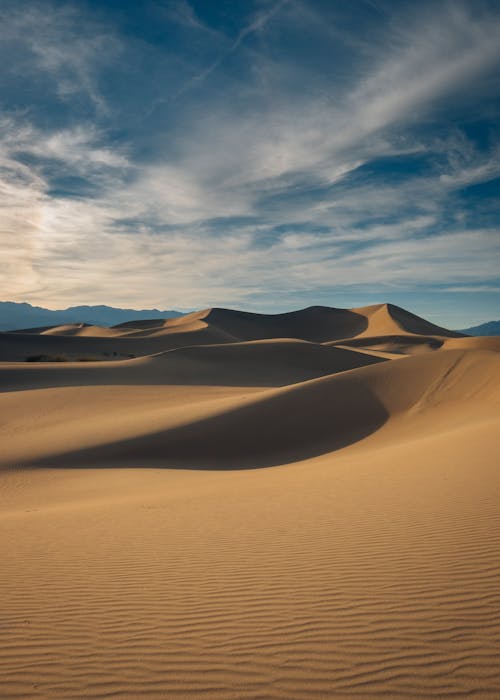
230,505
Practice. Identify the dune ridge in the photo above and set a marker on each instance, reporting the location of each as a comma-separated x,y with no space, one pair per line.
318,324
297,506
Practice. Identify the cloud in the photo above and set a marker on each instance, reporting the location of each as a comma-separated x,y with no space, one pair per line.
281,142
256,196
477,288
62,44
427,62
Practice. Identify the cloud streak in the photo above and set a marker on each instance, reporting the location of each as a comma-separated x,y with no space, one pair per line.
257,24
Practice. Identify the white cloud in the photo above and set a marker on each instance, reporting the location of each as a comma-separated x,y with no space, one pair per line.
274,164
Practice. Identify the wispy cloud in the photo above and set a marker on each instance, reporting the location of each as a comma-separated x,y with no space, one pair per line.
255,25
64,46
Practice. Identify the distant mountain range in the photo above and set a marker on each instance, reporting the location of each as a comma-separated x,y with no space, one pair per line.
489,328
15,316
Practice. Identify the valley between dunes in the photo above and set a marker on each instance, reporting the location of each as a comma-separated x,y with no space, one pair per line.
234,505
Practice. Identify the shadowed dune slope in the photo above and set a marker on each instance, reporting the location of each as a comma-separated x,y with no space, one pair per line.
18,347
315,323
263,428
256,363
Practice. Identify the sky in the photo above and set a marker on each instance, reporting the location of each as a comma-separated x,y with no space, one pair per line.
258,154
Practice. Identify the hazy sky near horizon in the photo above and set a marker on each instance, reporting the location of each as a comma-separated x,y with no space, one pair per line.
260,154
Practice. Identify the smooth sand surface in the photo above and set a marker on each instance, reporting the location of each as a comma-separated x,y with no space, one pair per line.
277,517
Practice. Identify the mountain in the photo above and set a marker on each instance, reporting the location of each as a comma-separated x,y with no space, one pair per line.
489,328
14,316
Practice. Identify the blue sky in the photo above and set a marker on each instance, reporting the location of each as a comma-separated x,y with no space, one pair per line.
264,154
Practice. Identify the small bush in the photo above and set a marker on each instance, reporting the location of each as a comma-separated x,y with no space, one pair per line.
47,358
61,358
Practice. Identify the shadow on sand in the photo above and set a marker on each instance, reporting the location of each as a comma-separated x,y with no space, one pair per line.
291,425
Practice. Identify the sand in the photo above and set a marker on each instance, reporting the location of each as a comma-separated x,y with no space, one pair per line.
282,516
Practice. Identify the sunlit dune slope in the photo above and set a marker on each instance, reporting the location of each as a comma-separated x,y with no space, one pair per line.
477,343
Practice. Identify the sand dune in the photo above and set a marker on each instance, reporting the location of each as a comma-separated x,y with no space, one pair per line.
388,319
265,428
256,363
82,329
477,343
305,505
122,344
319,324
315,323
79,329
395,344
